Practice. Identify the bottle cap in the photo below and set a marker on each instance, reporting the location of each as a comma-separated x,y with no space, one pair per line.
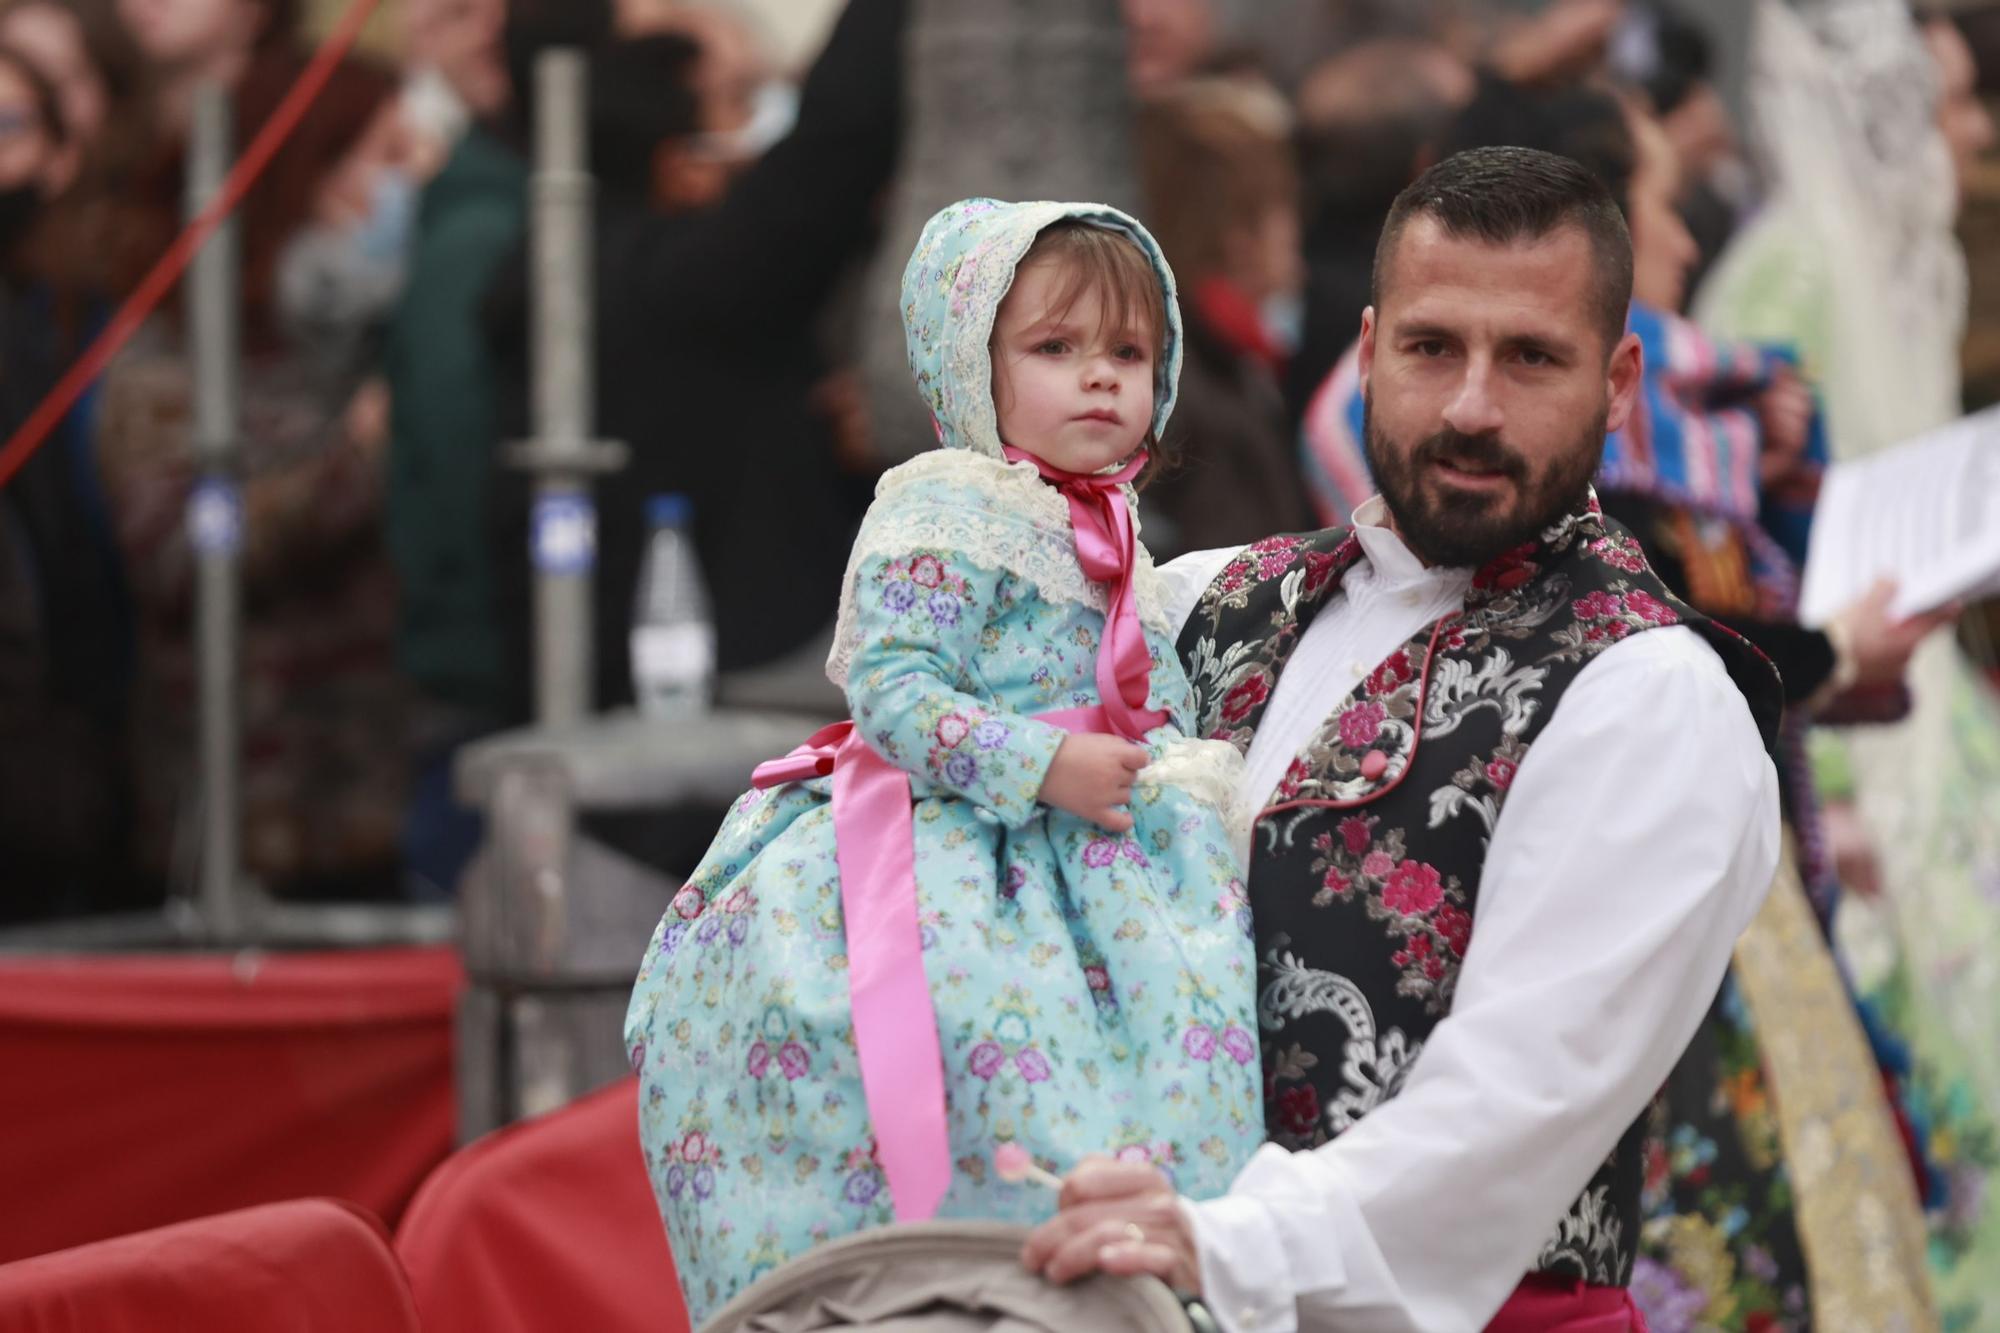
671,510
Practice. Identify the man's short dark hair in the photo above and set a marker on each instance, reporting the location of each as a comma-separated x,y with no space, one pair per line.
1506,196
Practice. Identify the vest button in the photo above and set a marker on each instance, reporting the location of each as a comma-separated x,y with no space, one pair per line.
1374,764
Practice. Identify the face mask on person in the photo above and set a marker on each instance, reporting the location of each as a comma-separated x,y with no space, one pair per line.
334,280
774,110
384,235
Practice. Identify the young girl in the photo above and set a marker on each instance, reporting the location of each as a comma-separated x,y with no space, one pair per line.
1001,906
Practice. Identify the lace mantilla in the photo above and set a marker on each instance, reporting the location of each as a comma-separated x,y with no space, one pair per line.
998,515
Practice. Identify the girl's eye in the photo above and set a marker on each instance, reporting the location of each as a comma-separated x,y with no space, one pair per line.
1053,347
1128,352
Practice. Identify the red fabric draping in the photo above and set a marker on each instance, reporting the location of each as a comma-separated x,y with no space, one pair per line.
545,1227
143,1090
306,1266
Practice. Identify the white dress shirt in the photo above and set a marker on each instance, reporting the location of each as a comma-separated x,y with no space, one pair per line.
1637,842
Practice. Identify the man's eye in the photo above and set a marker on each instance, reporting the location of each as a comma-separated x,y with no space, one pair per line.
1532,356
1430,347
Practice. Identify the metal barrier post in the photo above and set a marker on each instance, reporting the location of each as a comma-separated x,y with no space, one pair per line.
563,528
537,1022
215,523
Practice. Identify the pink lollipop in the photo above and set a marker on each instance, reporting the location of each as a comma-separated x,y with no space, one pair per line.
1012,1163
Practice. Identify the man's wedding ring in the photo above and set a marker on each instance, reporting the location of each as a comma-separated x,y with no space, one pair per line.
1135,1233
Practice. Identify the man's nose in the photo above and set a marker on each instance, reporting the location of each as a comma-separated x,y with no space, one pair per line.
1475,408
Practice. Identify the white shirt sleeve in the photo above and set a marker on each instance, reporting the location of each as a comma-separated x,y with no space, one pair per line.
1186,576
1638,841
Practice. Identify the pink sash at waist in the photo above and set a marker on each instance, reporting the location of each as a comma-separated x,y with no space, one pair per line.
895,1024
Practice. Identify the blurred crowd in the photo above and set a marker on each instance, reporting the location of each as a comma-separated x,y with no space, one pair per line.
1798,285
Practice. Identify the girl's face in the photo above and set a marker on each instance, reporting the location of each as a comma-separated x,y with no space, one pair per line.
1069,386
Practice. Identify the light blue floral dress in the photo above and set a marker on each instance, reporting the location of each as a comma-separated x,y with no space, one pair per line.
1094,992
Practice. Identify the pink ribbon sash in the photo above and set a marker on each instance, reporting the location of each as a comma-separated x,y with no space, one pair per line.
895,1024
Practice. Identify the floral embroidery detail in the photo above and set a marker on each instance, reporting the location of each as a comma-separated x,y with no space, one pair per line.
1248,694
1427,913
1454,927
1298,1110
1620,552
1238,1045
1320,567
1413,889
1361,724
1396,670
1508,572
1288,785
986,1059
1356,832
1604,616
923,581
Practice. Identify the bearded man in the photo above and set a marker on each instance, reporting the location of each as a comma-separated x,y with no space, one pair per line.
1515,807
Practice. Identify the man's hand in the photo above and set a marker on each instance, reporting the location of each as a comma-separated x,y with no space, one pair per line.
1091,777
1116,1217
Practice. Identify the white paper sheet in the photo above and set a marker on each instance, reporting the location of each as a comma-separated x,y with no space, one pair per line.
1925,513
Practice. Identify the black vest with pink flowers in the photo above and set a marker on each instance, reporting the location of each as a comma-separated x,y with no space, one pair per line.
1364,873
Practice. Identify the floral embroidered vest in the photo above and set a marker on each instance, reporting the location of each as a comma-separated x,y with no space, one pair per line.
1364,877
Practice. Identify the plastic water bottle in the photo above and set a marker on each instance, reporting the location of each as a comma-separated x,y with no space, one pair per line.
673,638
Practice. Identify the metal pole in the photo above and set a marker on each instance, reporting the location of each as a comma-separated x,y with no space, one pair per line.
215,520
564,537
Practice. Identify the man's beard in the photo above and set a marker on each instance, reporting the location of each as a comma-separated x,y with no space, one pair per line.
1470,527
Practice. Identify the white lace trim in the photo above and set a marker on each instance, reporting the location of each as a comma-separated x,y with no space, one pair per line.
1212,773
1003,516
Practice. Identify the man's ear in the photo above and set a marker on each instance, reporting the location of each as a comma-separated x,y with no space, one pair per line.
1623,378
1367,346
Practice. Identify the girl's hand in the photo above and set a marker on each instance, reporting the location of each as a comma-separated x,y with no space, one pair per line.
1091,777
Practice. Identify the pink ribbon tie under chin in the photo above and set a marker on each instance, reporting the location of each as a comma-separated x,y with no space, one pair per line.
1108,550
895,1023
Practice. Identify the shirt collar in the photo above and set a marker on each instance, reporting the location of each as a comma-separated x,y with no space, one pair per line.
1394,563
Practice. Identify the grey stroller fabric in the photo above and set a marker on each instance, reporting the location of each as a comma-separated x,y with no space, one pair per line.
941,1277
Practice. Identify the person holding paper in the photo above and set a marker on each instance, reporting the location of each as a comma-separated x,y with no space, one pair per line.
1867,122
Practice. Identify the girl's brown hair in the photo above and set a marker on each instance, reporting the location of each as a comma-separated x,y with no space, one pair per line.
1113,267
